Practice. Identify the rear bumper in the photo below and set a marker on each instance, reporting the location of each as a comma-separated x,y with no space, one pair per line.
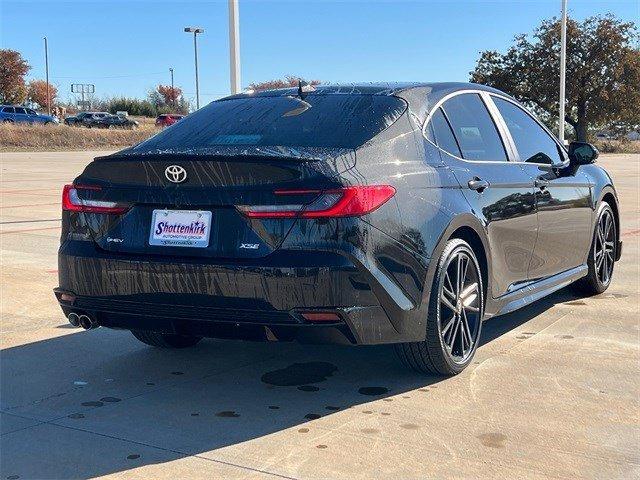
261,299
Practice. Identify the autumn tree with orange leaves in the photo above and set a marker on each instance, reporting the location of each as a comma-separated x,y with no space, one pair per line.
37,93
13,68
170,94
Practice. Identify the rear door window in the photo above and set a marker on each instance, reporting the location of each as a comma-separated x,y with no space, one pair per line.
474,129
443,136
7,110
332,120
533,143
20,110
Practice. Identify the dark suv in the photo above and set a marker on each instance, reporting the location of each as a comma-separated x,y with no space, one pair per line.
369,214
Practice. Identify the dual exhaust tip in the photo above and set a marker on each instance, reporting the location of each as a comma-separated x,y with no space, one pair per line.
83,321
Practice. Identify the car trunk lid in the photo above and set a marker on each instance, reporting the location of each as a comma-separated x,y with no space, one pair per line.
216,182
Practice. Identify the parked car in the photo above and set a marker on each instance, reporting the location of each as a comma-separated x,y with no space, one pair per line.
604,136
117,121
402,214
87,119
18,114
166,120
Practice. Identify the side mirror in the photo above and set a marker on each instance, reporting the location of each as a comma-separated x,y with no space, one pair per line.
582,153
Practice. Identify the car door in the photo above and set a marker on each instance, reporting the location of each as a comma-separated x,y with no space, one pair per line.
33,116
563,195
21,115
8,114
499,192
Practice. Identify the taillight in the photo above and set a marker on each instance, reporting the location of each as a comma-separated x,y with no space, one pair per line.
71,201
344,202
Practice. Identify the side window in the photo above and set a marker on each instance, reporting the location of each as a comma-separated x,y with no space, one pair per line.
31,112
7,110
443,136
533,143
20,110
474,129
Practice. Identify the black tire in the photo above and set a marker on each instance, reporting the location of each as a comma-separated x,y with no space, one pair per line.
6,120
434,355
165,340
601,271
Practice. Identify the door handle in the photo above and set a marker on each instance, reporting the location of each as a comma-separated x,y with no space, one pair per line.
541,183
478,184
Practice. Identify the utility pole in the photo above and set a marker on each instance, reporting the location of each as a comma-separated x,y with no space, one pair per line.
195,32
234,45
563,67
173,96
46,67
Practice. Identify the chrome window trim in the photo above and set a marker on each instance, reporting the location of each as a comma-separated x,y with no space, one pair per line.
564,153
501,126
440,102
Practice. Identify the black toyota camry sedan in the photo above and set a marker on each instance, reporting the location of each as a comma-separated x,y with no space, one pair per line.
402,214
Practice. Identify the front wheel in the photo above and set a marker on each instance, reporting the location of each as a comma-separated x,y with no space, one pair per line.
455,315
602,254
165,340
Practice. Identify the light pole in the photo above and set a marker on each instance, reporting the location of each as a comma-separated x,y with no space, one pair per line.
195,31
173,97
46,67
234,45
563,66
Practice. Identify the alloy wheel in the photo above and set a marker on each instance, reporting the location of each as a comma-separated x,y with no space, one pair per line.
604,249
460,307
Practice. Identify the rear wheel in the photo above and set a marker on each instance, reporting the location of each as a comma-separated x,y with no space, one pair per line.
455,315
165,340
602,254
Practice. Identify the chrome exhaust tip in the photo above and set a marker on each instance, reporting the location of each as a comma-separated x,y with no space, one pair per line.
74,319
87,322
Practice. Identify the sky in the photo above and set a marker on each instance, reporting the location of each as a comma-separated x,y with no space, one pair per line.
126,47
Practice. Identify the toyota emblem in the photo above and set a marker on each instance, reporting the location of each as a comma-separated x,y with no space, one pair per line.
175,173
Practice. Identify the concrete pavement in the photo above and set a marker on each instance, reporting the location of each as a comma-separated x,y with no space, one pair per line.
554,391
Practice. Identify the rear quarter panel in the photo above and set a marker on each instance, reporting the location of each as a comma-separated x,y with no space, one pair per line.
407,232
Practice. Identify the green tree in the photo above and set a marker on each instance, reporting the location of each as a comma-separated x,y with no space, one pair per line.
13,68
133,106
603,72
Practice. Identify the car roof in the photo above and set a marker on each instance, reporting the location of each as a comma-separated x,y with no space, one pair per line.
383,88
420,96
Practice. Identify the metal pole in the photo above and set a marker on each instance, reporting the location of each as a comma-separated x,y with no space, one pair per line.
234,45
195,49
46,67
173,96
563,66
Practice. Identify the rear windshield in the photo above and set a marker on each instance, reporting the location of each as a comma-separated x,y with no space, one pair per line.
341,121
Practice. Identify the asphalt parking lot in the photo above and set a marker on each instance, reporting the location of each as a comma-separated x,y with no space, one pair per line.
554,391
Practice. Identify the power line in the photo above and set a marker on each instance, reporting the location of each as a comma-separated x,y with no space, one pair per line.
116,76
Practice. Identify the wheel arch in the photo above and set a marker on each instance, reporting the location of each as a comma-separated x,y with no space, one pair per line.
609,196
469,228
469,235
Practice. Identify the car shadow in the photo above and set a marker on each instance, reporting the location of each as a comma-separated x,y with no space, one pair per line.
153,406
